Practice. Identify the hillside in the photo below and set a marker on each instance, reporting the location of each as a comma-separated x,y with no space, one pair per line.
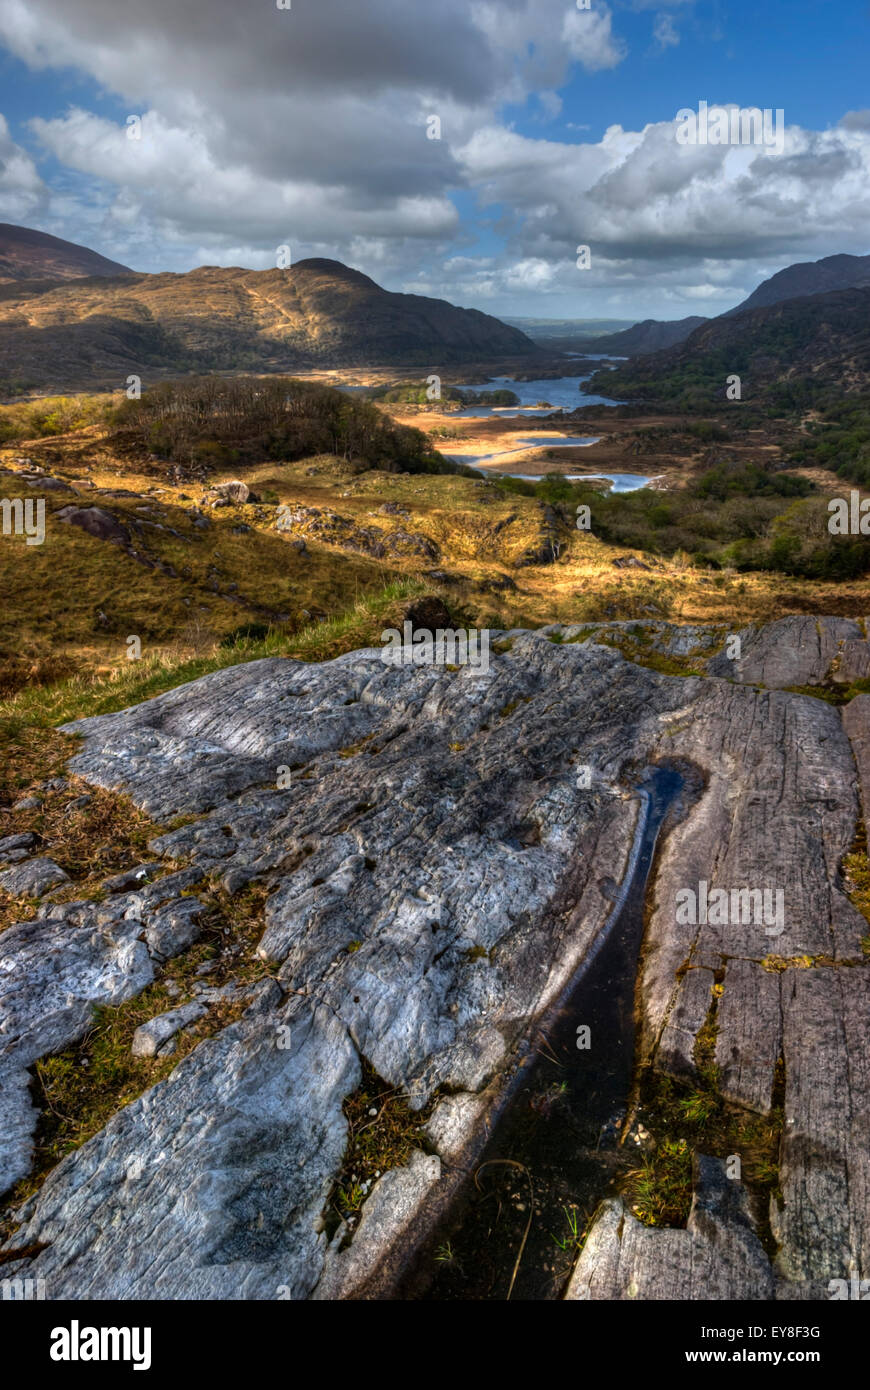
808,277
795,281
318,313
26,254
789,352
651,335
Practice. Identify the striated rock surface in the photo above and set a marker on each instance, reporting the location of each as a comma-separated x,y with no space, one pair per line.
446,854
718,1255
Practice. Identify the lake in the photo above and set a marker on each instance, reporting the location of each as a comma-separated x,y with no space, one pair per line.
622,482
563,393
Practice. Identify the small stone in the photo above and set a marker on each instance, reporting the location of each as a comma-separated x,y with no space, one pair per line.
130,878
175,927
151,1039
32,879
13,844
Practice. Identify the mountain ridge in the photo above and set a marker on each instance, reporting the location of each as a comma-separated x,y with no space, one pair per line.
27,254
318,313
803,278
797,347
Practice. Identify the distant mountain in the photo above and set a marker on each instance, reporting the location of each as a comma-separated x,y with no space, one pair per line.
808,277
649,336
26,254
542,330
319,313
790,351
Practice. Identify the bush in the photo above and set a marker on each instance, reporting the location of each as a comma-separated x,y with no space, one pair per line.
245,420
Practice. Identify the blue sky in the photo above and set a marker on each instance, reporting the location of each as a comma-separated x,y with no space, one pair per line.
307,127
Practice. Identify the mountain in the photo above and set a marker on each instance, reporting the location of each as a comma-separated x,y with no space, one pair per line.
543,330
792,349
26,254
649,336
319,313
796,281
808,277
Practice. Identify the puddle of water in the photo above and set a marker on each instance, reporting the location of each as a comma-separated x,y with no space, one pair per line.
553,1152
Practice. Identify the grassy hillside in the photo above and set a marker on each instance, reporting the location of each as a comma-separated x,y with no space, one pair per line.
788,356
27,254
184,570
317,313
205,583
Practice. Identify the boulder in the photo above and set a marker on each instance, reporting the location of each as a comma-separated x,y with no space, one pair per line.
96,522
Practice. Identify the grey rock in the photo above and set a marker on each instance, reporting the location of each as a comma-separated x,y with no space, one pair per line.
133,877
33,878
174,927
717,1256
235,492
98,523
150,1037
792,651
51,976
390,1210
10,843
432,812
220,1199
749,1037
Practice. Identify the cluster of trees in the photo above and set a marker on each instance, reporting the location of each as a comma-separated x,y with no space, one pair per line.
51,415
413,393
735,516
243,420
840,440
731,479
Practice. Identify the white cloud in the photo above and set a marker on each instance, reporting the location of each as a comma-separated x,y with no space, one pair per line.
308,126
22,192
665,31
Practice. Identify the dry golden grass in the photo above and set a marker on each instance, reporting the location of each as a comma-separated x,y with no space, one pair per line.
72,603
